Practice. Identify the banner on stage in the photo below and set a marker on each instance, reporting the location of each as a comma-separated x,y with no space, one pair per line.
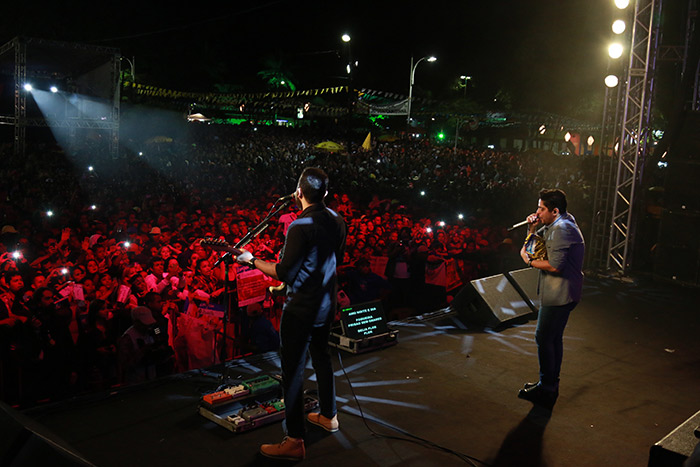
378,265
435,274
452,280
252,287
212,309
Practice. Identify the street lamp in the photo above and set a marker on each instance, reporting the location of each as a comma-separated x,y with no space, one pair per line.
410,84
466,83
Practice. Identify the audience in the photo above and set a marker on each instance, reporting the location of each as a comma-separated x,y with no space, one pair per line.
120,254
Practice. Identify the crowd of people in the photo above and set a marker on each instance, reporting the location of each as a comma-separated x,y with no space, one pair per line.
105,279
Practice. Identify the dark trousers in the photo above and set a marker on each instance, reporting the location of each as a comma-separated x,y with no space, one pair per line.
550,347
296,338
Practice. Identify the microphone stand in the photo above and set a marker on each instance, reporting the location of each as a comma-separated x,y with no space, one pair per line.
227,259
258,229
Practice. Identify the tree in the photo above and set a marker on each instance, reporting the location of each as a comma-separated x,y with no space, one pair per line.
275,73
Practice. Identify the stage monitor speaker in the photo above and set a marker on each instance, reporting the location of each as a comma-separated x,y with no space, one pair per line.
490,302
677,253
26,442
677,446
525,282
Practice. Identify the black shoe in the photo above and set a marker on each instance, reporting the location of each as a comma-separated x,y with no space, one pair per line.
529,385
539,396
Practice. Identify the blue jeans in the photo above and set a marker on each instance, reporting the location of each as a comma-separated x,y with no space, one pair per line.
298,336
549,337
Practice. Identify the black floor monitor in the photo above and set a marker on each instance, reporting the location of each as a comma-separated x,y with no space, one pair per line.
363,320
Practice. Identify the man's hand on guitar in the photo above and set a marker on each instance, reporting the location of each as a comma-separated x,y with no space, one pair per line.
245,258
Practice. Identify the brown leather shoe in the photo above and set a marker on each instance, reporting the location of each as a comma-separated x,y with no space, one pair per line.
290,448
329,424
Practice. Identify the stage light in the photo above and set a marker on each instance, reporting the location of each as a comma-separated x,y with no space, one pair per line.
460,216
90,168
140,153
622,4
93,207
346,37
567,137
16,254
590,141
28,87
611,81
615,50
127,244
619,26
422,193
429,230
53,89
49,213
441,223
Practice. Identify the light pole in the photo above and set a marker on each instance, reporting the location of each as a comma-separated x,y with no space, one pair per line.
410,85
466,83
349,68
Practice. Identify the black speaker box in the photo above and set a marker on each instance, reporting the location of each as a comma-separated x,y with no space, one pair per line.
526,282
677,253
25,442
677,446
491,302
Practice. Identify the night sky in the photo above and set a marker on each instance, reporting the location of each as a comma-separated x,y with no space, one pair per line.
548,55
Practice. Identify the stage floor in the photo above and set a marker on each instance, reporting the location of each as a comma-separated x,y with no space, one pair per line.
630,376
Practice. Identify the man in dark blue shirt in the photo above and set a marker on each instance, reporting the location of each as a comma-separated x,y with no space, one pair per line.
313,248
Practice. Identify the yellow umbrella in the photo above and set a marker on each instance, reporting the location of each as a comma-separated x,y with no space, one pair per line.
330,146
160,139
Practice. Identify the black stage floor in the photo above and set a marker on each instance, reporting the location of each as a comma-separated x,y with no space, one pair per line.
630,376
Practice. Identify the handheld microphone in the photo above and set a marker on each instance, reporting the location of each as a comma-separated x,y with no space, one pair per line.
287,197
519,224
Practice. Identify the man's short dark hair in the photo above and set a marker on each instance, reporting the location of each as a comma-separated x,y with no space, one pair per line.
314,184
150,298
555,198
154,260
8,275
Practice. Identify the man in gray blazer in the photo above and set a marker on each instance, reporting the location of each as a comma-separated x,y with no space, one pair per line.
560,285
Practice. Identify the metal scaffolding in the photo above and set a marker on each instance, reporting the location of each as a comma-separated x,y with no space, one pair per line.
29,59
625,142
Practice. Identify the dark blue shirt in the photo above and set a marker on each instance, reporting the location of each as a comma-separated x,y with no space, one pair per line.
314,245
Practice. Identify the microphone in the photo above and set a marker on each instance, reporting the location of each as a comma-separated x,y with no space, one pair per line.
287,197
519,224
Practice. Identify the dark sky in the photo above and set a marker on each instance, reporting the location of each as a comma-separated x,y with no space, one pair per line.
547,54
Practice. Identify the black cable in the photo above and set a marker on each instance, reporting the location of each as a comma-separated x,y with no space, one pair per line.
412,438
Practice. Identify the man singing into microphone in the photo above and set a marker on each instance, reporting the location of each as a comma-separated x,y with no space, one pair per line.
314,245
560,285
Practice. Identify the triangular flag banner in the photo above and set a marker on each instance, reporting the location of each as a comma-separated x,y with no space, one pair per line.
367,145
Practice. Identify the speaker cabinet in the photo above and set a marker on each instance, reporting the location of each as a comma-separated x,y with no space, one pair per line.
526,282
491,302
677,446
25,442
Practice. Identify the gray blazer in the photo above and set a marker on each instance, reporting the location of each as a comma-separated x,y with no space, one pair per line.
565,250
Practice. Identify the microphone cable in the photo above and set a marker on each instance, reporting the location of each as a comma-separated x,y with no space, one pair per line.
411,438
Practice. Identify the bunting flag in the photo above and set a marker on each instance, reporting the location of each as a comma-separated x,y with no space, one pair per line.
220,98
367,145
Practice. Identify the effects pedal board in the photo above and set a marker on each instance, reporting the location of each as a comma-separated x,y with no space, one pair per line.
248,405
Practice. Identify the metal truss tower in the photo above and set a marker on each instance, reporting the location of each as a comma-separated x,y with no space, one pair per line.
62,61
625,142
